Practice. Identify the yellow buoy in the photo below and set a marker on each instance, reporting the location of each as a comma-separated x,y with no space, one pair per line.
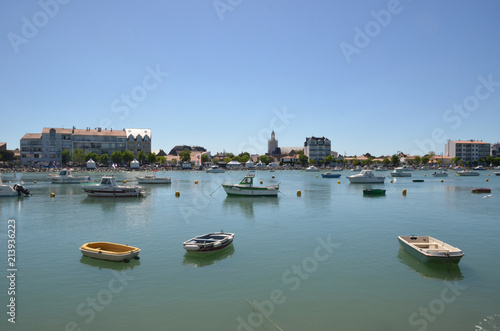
52,194
177,194
316,176
261,182
486,179
196,182
425,175
391,181
273,176
299,193
124,182
35,181
404,192
441,180
338,182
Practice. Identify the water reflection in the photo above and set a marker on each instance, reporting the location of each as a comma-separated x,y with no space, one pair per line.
204,259
111,204
101,264
248,204
448,271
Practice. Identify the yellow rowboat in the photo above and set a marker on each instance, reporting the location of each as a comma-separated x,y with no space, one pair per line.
109,251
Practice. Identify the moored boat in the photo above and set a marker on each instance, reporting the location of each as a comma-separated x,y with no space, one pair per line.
109,251
15,190
66,176
108,188
440,174
330,175
467,173
497,173
481,190
152,179
418,180
209,242
373,192
246,188
215,170
312,169
366,176
400,172
428,249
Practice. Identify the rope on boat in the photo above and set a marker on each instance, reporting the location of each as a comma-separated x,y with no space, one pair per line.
215,190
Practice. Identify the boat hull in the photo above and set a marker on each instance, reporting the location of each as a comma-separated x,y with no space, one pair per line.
157,180
432,251
373,192
481,190
401,174
468,174
74,180
366,180
114,193
330,175
7,191
239,190
109,251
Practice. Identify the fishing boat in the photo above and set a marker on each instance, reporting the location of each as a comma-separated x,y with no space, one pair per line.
108,188
440,174
215,170
209,242
373,192
467,173
15,190
366,176
109,251
66,176
246,188
400,172
428,249
481,190
330,175
152,179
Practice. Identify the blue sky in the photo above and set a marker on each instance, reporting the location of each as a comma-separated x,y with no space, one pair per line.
372,76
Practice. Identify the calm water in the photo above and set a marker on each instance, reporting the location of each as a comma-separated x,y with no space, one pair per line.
328,260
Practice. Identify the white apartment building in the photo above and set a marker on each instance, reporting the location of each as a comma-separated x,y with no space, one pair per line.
317,148
467,150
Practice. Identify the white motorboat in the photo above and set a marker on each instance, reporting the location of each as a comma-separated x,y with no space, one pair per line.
366,176
108,188
479,168
440,174
312,169
246,188
467,173
66,177
429,249
400,172
15,190
209,242
152,179
215,170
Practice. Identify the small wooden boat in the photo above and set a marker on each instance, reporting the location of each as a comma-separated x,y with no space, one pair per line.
418,180
374,192
481,190
246,188
209,242
428,249
152,179
330,175
109,251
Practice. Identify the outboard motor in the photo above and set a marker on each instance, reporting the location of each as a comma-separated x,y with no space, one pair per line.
21,190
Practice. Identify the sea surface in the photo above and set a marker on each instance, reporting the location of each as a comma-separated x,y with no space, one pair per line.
326,260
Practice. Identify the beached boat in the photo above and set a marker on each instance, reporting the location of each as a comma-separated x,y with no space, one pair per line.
330,175
109,251
108,188
373,192
215,170
246,188
481,190
209,242
312,169
7,190
428,249
440,174
152,179
366,176
65,176
400,172
467,173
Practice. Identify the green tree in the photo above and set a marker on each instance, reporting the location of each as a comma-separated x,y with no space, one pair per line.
141,157
116,157
355,162
264,159
367,161
328,159
79,155
425,160
395,160
174,162
185,155
161,159
417,160
66,156
152,158
104,158
204,158
227,159
386,161
127,156
7,155
244,157
92,156
303,159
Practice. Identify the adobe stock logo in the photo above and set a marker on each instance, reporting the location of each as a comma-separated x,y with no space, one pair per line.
30,28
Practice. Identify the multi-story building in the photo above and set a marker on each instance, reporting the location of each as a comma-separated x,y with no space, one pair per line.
47,147
317,148
495,150
467,150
